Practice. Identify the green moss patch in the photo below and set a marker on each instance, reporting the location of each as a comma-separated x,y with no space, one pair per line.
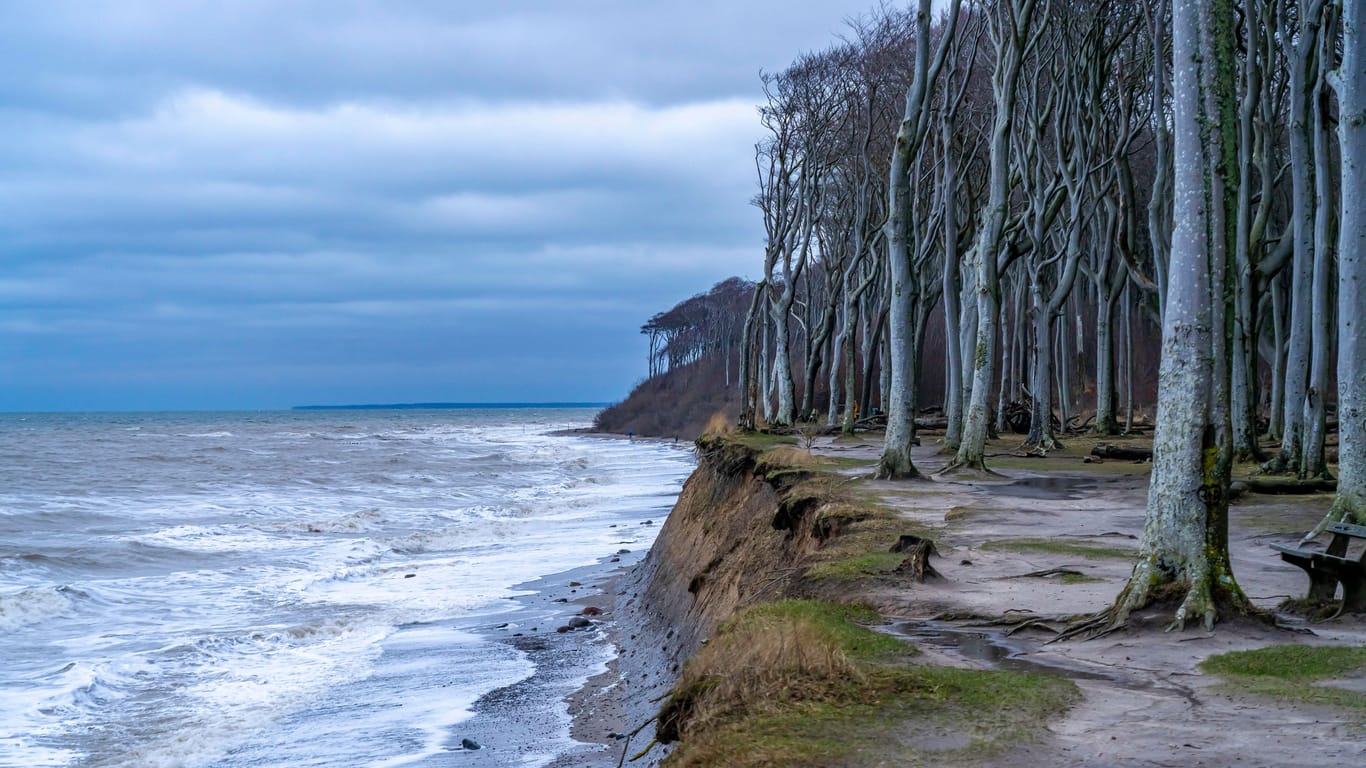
1068,547
1300,673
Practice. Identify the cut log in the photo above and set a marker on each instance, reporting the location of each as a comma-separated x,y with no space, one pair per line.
1288,486
1130,452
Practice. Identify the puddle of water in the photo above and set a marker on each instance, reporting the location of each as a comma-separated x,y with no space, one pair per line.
991,647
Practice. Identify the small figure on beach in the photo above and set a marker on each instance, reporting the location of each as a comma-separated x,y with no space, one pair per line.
630,434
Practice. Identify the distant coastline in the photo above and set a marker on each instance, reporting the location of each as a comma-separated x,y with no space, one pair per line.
441,406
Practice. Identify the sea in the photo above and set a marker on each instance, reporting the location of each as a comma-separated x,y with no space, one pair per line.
321,588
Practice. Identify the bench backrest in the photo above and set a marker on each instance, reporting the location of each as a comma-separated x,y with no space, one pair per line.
1347,529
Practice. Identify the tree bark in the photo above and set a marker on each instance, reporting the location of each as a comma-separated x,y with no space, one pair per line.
1183,545
1350,83
1012,30
896,452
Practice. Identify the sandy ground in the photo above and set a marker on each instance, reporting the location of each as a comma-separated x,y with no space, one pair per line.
1145,703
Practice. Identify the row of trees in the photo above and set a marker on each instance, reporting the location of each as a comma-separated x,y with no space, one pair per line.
1040,176
706,324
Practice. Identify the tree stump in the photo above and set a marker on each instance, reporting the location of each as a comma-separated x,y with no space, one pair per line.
917,562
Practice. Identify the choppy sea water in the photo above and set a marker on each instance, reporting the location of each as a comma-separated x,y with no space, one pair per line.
289,588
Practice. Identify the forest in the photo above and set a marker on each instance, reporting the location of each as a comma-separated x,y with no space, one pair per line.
1012,204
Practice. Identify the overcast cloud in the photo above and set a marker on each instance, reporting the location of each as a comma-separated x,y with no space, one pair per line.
256,204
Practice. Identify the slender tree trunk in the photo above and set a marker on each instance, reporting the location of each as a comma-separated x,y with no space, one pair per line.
967,330
1350,83
1160,202
953,390
905,291
1244,320
1278,358
1312,462
1106,423
1041,381
1012,27
1302,220
1128,359
749,390
782,364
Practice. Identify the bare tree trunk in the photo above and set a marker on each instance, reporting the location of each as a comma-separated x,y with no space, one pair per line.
1160,202
1312,462
1128,359
953,388
1040,382
1244,406
1278,333
967,329
749,390
1182,545
1106,423
1350,83
1302,220
1012,30
905,296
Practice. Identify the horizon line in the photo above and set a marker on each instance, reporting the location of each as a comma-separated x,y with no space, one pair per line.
447,406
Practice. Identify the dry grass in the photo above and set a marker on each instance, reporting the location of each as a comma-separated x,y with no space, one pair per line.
790,456
719,425
802,683
748,671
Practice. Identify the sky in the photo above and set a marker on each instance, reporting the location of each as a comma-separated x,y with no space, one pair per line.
259,204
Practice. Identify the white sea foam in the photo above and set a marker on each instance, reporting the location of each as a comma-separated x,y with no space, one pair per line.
31,606
296,598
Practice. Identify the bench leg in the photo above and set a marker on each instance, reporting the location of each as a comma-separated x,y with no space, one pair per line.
1322,587
1353,596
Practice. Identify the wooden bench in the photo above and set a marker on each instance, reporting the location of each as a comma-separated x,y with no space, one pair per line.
1333,566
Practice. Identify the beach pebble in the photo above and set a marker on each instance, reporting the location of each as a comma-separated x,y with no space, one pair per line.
469,744
575,584
623,551
648,522
560,600
410,575
562,630
592,611
579,622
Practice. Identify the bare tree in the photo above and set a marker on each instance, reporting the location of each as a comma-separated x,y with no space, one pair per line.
1014,34
1349,81
905,285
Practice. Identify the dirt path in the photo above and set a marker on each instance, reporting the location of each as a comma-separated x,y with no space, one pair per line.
1145,702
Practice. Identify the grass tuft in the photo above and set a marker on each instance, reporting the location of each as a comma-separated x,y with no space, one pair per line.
1299,673
857,566
1059,547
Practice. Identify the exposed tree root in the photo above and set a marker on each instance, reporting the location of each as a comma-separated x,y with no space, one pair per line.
1190,604
1046,573
895,465
968,471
